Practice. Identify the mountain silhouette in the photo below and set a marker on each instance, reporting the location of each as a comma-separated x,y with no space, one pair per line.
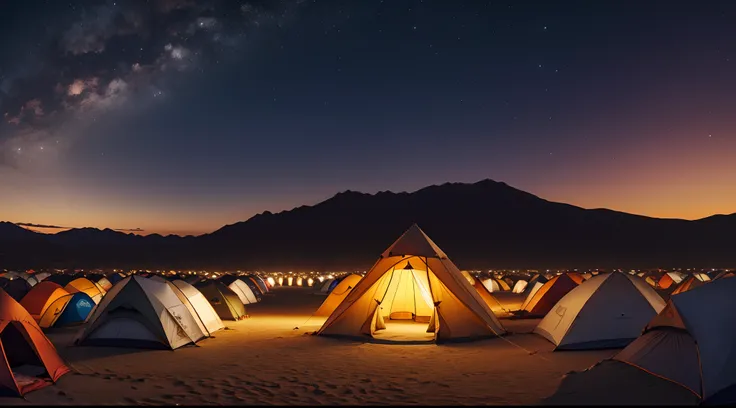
481,225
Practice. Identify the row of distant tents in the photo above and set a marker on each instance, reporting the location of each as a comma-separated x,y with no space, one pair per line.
147,311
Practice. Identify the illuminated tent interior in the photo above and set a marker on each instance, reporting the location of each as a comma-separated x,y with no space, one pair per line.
29,359
244,292
414,281
606,311
691,282
690,345
520,286
670,278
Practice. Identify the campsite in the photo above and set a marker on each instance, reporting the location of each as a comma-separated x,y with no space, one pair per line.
411,329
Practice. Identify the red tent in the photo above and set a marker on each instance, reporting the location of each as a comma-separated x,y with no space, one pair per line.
29,360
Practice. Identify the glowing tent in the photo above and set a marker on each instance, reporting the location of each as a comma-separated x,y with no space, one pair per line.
606,311
40,297
334,299
104,283
540,300
520,286
244,292
85,285
143,313
469,277
692,342
670,278
414,280
496,285
25,351
489,299
691,282
223,300
203,310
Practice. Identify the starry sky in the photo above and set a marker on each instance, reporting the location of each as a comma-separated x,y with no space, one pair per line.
180,116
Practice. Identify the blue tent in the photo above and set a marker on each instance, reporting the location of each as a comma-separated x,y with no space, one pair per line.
76,310
333,285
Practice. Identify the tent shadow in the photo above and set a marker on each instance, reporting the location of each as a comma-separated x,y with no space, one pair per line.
74,354
614,383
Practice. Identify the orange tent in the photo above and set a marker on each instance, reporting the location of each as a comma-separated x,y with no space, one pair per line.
85,285
489,299
689,283
23,345
40,297
542,301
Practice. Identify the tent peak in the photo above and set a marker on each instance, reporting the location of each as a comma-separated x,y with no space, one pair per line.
414,242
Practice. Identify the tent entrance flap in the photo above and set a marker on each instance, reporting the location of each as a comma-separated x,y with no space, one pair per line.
407,297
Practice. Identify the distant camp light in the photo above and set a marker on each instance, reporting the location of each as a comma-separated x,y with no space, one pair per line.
281,281
310,282
290,280
271,281
299,281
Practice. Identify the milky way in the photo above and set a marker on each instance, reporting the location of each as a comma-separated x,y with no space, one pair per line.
111,55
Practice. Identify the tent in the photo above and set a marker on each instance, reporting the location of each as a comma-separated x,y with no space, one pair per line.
40,297
414,280
670,278
253,287
724,274
67,310
258,281
651,281
489,299
104,283
223,300
337,295
143,313
334,284
87,286
520,286
469,277
606,311
25,352
203,309
16,288
271,282
193,279
240,288
116,277
691,342
536,278
541,299
496,285
691,282
325,288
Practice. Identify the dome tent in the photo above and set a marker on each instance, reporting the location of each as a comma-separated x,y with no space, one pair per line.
414,280
40,298
541,299
223,300
143,313
23,345
692,342
606,311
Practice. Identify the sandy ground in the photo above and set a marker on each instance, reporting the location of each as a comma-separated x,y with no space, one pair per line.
271,359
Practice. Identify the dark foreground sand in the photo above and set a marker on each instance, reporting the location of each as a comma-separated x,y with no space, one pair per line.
265,360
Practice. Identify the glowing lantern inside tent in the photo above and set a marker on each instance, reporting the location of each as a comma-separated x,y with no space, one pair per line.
290,279
310,282
299,281
281,281
271,281
321,278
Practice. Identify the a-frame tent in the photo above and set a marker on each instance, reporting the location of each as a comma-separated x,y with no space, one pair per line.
414,279
336,297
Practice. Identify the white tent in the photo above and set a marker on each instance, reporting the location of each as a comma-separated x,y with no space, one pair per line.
414,280
203,309
140,312
530,292
692,342
245,294
606,311
491,285
520,286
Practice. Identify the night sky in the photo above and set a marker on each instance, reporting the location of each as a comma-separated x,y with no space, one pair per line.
178,116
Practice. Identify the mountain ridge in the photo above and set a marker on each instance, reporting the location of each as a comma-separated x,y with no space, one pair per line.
487,224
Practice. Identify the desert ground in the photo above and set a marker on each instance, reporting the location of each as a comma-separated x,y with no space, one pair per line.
271,358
